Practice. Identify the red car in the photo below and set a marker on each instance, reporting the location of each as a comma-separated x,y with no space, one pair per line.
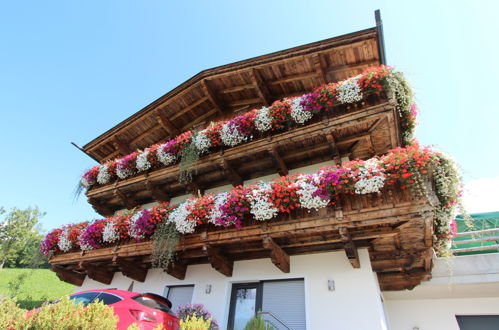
147,310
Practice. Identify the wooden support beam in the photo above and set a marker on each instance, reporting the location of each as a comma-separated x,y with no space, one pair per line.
210,94
131,269
167,124
156,192
100,207
353,138
319,64
218,261
121,146
332,144
99,274
127,201
307,75
283,169
68,276
261,87
177,270
231,173
278,256
350,249
194,189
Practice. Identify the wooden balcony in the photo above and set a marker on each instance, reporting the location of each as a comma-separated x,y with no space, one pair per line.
356,131
395,225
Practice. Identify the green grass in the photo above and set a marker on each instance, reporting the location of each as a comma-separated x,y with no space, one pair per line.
39,285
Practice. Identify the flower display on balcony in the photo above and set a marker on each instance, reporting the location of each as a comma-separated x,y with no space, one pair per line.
409,167
275,118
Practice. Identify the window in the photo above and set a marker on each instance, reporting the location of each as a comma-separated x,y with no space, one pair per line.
280,301
108,299
84,298
478,322
179,295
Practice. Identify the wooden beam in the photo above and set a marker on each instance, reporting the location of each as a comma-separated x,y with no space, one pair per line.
188,108
127,201
218,261
100,207
177,270
210,94
261,87
231,173
245,102
353,138
237,88
319,64
68,276
99,274
307,75
167,124
283,169
156,192
278,256
121,146
332,144
131,269
350,249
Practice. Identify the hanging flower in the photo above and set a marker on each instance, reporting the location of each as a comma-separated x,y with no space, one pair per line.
261,206
349,91
143,163
370,177
110,233
103,176
126,166
139,223
216,212
231,135
91,237
202,142
179,217
164,154
90,177
299,114
308,187
49,245
263,121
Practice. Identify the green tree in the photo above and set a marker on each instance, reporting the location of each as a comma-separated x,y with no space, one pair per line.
20,236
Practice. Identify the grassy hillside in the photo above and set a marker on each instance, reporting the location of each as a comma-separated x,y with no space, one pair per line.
34,287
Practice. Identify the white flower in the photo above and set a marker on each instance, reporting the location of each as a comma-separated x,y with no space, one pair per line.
308,185
109,233
349,91
179,217
123,171
260,205
202,141
298,114
230,135
84,182
142,162
216,212
372,178
64,243
263,121
165,157
103,176
132,228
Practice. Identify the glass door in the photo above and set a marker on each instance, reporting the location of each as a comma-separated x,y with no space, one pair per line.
245,301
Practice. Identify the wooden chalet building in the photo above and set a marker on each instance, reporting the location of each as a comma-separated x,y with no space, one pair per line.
309,269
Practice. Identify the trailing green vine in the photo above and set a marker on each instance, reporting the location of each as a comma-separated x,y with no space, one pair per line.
165,239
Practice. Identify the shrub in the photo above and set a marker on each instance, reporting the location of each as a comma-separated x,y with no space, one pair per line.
193,322
11,316
258,323
184,312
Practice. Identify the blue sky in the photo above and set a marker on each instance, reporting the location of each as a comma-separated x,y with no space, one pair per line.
70,70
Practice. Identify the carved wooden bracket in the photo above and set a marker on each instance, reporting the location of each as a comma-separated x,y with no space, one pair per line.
231,173
99,207
98,274
218,261
68,276
130,269
177,270
319,65
278,256
156,192
167,124
121,146
127,201
350,248
261,87
208,92
283,169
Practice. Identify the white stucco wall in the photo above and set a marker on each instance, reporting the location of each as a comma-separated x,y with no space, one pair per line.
355,303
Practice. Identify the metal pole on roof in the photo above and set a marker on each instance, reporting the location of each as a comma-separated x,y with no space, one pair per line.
381,39
81,149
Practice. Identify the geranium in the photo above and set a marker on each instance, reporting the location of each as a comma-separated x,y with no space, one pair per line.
236,207
179,217
261,206
49,245
308,187
200,209
69,237
126,166
165,152
298,112
143,163
280,112
92,236
370,177
284,194
349,91
139,225
263,121
237,130
215,216
90,177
